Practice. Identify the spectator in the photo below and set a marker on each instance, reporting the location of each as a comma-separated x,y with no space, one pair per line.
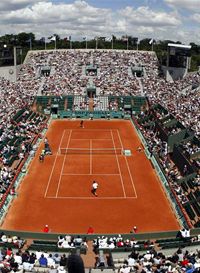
43,261
75,264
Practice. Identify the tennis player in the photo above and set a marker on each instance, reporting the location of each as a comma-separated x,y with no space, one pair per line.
81,124
95,186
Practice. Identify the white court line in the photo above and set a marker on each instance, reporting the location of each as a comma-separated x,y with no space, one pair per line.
122,182
107,174
81,130
120,140
92,198
90,156
54,164
91,138
133,185
63,165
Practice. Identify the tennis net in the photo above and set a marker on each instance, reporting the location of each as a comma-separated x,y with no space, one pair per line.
102,151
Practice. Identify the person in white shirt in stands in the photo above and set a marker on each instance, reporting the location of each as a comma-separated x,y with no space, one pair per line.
131,261
50,261
18,258
124,269
185,233
65,244
61,269
95,186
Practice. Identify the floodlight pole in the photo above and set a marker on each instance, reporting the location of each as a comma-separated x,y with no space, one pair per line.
15,62
96,42
31,47
137,46
112,43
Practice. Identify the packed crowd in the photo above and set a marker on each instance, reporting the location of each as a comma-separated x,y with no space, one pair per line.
191,148
16,138
68,68
6,177
173,174
114,77
22,261
14,259
153,261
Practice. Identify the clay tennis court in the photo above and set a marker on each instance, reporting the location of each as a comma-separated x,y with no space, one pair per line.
57,191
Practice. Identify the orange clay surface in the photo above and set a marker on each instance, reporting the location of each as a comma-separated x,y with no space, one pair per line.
57,192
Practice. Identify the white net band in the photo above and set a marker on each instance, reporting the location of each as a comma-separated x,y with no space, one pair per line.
105,151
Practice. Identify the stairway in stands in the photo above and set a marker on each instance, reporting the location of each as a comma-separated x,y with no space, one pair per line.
65,104
141,86
91,104
101,103
90,258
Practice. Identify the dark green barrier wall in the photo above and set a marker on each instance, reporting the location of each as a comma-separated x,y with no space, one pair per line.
138,236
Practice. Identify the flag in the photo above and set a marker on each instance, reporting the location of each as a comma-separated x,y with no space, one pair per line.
84,38
108,39
68,38
151,41
53,38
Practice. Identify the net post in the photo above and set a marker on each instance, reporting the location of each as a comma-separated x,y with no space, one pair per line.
60,151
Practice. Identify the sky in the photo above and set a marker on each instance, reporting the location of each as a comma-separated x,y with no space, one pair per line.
177,20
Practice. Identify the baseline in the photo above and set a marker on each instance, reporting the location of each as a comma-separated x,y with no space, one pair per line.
91,139
93,129
90,198
107,174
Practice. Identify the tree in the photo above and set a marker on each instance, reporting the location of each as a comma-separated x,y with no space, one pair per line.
23,39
